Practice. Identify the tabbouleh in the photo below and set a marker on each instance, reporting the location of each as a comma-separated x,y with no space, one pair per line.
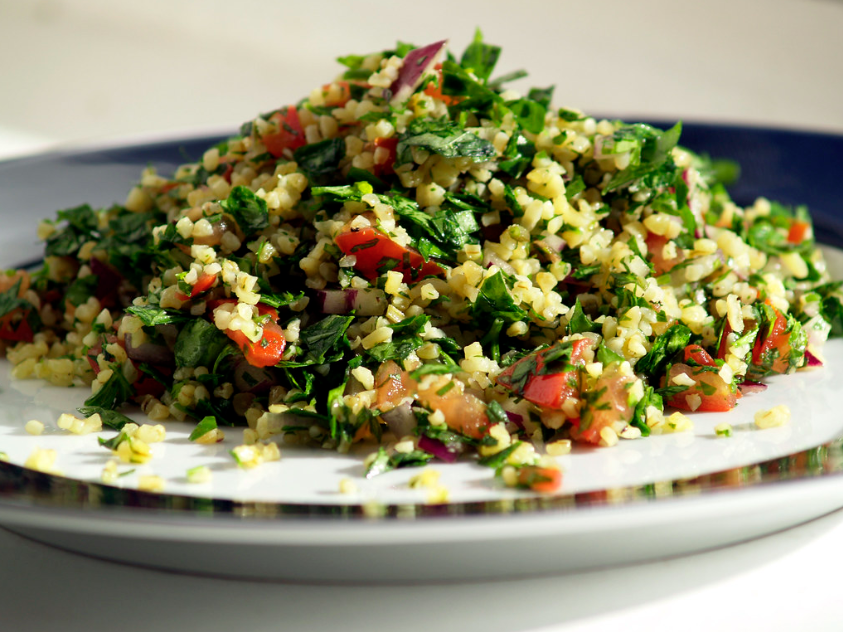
418,256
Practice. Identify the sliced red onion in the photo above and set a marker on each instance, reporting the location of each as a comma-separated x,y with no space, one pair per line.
108,278
752,387
417,63
437,449
252,379
367,302
515,418
812,360
491,259
148,352
599,140
401,420
555,242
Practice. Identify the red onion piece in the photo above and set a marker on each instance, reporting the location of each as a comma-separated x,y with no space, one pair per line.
108,278
515,418
437,449
417,63
555,242
148,352
812,360
252,379
401,420
367,302
752,387
491,259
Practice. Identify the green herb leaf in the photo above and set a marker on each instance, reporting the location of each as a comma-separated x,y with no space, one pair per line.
320,159
247,209
203,427
442,137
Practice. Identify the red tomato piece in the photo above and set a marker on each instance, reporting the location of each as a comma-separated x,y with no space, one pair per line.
203,284
384,167
344,96
548,390
605,402
539,479
798,231
723,344
21,333
464,413
290,134
376,252
698,355
655,246
714,393
268,350
775,338
393,384
434,89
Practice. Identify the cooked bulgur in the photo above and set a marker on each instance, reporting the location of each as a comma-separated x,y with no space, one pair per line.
419,256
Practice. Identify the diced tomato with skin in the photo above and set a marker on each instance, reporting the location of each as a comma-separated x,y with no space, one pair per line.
775,338
797,232
290,134
434,89
723,345
714,393
539,479
268,350
373,251
21,333
550,390
698,355
393,385
384,167
203,284
611,404
655,246
342,98
464,413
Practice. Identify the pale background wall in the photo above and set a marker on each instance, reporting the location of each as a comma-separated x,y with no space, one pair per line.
81,70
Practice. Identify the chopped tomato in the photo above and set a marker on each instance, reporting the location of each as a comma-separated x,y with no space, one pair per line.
539,479
465,413
20,333
798,231
715,395
549,390
655,246
376,253
776,337
434,89
605,402
723,344
268,350
698,355
338,100
393,384
384,166
290,134
203,284
10,328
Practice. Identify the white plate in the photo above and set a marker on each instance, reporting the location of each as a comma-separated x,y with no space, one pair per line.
653,497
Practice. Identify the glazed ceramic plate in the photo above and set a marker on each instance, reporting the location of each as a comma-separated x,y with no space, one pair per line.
648,498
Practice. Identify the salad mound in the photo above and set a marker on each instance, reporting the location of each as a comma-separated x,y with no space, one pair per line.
419,257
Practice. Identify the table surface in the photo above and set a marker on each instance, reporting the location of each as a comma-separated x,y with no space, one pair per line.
118,68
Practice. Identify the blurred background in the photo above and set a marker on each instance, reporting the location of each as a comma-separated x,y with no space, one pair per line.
79,71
